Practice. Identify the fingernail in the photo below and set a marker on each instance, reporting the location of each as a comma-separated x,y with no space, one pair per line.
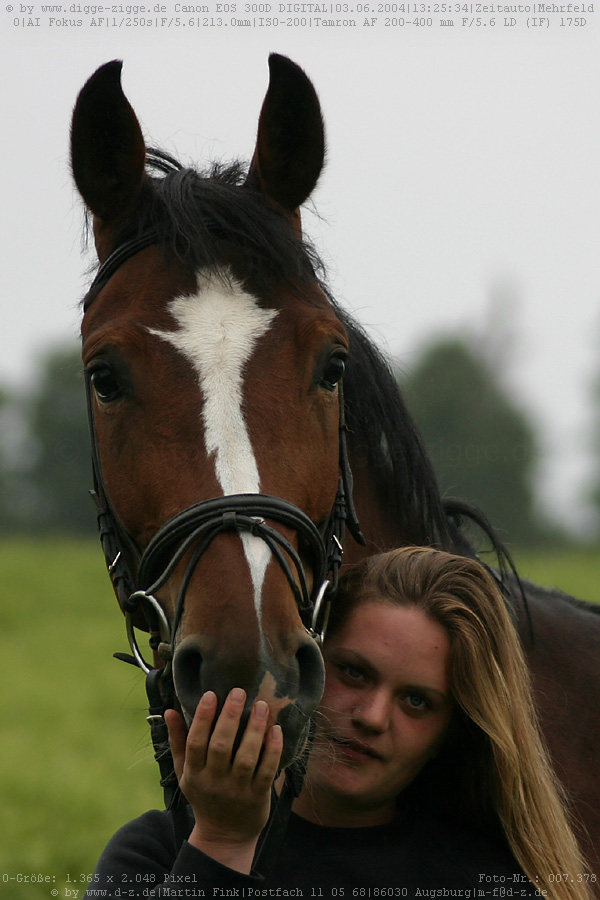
261,709
238,695
208,699
277,732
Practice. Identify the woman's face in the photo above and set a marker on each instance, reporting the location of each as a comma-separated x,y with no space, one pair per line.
385,711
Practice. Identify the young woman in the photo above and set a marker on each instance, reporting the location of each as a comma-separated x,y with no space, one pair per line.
427,776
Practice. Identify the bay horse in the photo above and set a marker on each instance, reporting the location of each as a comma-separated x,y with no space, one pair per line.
223,445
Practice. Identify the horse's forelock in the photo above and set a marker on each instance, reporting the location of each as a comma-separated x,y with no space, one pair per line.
207,217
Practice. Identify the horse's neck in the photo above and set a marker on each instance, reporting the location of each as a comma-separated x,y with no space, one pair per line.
378,526
385,528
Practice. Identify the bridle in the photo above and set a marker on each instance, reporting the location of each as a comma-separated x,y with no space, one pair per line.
137,577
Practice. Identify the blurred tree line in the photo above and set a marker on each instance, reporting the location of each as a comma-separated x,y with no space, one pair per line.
482,445
45,469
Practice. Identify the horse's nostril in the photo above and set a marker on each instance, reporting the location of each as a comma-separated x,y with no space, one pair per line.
311,674
187,673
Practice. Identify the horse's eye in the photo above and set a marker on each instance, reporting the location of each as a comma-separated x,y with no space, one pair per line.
105,384
334,371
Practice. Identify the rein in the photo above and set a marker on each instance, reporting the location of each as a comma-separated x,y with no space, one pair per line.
137,577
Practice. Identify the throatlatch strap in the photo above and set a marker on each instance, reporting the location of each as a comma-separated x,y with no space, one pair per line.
160,735
175,802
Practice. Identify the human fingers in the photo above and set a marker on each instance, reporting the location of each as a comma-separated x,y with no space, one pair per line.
268,766
248,753
220,747
177,739
198,737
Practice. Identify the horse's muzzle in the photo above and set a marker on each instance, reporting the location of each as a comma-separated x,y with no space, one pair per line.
292,687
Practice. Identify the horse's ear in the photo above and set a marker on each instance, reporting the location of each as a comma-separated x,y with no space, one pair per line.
290,145
107,146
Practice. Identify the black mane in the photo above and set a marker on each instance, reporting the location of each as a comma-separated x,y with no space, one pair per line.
381,428
205,218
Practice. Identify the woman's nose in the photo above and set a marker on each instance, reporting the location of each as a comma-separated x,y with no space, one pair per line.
373,712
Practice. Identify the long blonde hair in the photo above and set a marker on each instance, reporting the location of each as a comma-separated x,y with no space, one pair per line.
500,767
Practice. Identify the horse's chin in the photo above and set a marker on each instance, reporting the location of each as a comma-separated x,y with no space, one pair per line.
296,729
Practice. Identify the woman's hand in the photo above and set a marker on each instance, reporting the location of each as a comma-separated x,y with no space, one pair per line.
230,797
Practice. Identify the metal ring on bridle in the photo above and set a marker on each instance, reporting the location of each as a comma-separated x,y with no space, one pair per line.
318,634
163,627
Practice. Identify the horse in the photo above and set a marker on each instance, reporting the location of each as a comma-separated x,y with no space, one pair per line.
243,425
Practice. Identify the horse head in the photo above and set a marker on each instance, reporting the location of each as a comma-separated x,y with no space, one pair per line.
213,360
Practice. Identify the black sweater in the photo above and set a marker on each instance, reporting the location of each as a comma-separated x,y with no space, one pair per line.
417,855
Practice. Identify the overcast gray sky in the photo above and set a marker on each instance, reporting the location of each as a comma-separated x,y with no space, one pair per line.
462,168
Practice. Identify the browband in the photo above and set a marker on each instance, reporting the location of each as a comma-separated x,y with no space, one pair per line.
116,259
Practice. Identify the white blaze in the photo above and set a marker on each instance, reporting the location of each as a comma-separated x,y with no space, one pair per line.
218,329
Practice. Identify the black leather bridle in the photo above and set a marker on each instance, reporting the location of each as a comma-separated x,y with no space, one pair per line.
137,577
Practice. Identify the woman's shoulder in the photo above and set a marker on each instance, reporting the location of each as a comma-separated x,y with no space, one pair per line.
150,835
470,852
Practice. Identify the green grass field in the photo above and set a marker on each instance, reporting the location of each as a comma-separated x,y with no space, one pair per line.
575,571
76,761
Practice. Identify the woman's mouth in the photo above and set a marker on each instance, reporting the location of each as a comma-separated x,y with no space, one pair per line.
354,750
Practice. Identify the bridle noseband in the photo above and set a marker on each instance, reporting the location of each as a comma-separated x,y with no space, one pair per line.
136,578
194,529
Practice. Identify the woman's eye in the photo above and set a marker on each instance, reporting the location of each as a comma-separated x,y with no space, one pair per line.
353,673
417,701
105,383
333,372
